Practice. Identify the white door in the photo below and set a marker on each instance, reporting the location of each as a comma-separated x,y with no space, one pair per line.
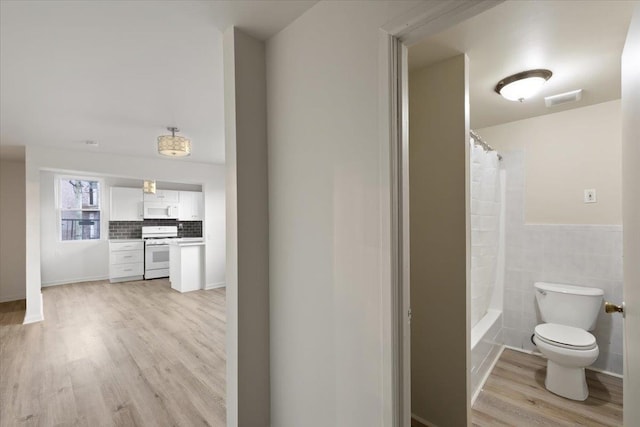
631,218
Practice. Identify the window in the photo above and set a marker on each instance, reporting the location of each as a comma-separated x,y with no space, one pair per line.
79,206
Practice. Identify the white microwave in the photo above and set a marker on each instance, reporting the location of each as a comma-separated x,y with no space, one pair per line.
160,210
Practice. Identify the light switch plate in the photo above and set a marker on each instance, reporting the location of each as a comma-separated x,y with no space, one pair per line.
590,196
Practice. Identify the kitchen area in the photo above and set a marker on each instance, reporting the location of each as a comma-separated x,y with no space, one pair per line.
149,229
131,230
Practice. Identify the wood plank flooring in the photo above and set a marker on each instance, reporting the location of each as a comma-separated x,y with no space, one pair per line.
514,395
129,354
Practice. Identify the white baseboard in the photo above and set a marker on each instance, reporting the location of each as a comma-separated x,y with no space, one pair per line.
7,298
70,281
590,368
35,317
209,286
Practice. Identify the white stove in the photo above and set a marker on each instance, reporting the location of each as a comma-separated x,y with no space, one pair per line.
156,250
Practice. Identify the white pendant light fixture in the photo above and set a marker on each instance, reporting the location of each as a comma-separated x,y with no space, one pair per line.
524,85
174,146
149,186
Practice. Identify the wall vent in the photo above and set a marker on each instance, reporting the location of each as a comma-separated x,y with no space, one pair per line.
563,98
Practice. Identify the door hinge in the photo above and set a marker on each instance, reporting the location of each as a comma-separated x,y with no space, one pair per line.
409,315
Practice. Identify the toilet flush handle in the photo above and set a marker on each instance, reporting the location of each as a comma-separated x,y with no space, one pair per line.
612,308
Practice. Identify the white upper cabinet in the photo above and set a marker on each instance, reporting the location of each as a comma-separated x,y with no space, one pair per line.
126,204
191,206
167,196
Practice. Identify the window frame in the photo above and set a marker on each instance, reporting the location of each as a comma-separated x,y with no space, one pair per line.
59,209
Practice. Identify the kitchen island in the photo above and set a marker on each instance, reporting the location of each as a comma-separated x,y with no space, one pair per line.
186,269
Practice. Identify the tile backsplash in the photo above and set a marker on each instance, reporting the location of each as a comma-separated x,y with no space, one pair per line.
133,229
584,255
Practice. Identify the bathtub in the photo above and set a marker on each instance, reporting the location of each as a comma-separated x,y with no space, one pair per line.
486,347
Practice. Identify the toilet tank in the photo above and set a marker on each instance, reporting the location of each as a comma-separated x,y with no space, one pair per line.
570,305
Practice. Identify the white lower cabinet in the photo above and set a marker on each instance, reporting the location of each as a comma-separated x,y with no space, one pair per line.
126,261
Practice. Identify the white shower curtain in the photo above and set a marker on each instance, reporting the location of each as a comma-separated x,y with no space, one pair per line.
485,228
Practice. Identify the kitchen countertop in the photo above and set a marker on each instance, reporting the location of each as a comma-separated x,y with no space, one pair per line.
190,239
125,240
180,242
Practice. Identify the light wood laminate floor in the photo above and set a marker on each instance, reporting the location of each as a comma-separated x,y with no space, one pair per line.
130,354
514,395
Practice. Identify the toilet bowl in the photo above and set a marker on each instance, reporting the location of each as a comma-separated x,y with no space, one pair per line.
569,312
568,351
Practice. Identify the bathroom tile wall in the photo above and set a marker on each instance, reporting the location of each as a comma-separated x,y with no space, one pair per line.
586,255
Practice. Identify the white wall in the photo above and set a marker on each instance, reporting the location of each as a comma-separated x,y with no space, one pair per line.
211,177
566,153
12,230
631,214
325,216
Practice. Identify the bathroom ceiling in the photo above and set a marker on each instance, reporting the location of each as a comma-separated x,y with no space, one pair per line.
119,73
580,41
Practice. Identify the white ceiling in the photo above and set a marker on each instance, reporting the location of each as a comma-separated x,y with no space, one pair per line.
579,41
119,73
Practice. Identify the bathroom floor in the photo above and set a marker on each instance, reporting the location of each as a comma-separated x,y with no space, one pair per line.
514,395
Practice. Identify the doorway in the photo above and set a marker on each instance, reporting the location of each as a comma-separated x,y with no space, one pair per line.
442,314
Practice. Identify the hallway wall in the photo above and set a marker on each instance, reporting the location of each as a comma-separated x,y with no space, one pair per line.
328,366
12,230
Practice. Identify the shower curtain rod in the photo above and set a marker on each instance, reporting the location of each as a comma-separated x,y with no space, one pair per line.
477,139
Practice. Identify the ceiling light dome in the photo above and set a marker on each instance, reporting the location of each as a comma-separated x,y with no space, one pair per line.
524,85
174,146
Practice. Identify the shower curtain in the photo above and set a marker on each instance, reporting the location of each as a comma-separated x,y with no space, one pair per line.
485,228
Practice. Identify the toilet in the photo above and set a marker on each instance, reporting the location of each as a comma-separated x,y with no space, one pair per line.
568,312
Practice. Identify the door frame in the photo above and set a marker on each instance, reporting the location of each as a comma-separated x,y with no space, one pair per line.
395,38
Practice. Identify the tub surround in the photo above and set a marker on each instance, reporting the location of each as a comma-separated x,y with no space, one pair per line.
485,209
486,335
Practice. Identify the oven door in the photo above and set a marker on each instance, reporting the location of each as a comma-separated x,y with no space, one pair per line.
156,257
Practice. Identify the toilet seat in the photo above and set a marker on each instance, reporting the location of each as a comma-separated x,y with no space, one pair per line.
565,336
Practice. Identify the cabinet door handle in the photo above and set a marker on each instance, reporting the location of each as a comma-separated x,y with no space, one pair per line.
128,256
128,269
